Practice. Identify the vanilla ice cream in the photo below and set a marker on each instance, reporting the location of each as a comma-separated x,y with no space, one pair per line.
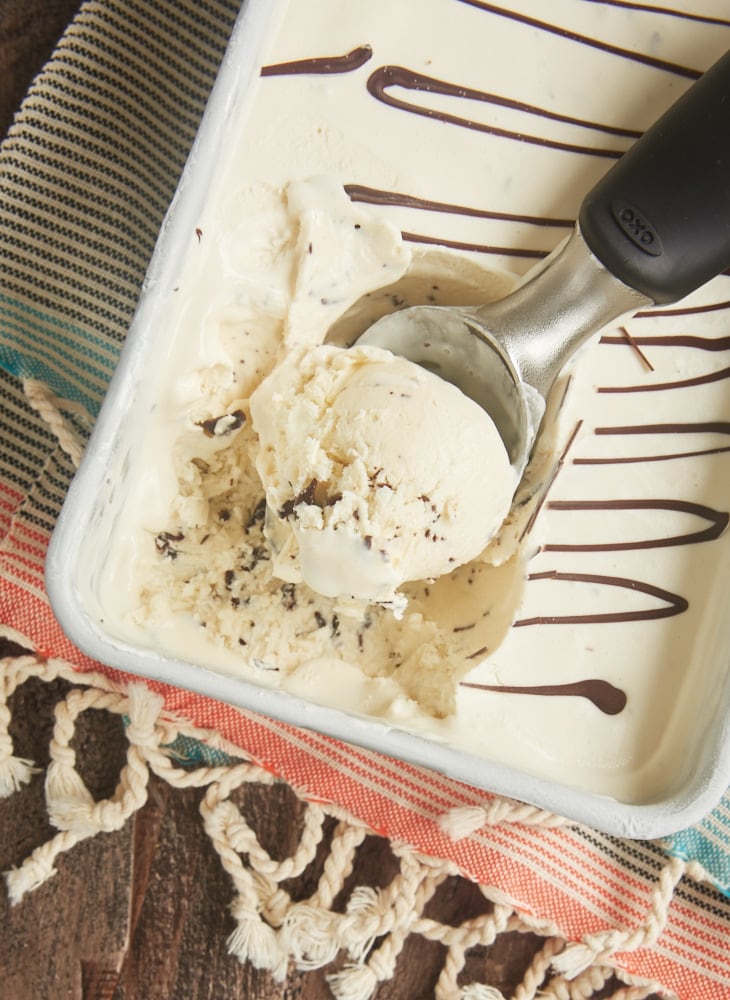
376,471
432,151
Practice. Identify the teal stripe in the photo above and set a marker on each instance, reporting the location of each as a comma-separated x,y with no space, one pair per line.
36,345
81,339
188,751
16,363
79,363
708,843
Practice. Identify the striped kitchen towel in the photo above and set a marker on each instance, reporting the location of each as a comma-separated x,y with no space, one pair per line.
86,174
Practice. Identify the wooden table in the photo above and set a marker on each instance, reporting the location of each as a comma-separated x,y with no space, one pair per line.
142,914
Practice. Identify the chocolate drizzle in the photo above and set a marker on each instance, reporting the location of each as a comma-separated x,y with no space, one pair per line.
716,344
685,383
670,12
416,94
718,521
378,196
441,241
676,340
636,459
671,429
382,81
573,36
692,427
352,60
608,699
551,479
674,604
683,310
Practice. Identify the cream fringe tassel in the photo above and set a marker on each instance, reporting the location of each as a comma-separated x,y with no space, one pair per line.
55,413
271,929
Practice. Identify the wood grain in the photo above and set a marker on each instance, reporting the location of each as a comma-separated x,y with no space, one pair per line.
29,31
143,913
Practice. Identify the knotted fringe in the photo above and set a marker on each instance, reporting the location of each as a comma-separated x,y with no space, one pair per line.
271,929
14,771
56,413
477,992
600,948
463,821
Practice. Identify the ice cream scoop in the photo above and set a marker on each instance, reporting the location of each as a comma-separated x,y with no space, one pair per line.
655,227
376,472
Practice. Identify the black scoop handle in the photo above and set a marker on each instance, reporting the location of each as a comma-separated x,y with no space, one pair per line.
660,218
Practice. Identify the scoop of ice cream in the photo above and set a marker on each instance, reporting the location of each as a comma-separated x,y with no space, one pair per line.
376,471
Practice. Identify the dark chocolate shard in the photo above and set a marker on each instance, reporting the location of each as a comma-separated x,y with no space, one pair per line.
289,596
164,543
223,425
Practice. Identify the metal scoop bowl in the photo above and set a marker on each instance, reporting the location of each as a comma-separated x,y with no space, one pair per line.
653,229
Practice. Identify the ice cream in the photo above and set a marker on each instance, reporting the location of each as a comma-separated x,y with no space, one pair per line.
457,139
377,472
210,571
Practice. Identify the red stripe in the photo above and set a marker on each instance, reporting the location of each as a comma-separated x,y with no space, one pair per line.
686,983
10,500
20,564
686,937
16,496
36,546
622,899
41,537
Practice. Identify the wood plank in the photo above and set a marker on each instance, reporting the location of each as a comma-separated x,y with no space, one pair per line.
67,937
145,911
29,31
